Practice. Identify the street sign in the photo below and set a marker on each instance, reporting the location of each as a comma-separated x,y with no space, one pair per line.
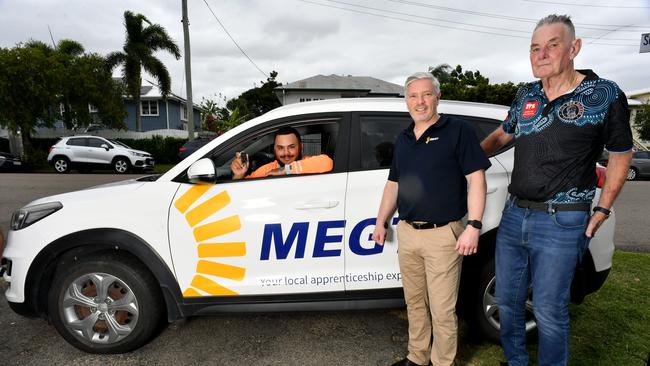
645,43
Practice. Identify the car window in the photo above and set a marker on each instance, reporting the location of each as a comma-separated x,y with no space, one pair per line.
379,132
378,135
115,142
318,137
93,142
77,141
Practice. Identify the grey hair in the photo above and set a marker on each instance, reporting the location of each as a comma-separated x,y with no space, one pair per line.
562,19
421,76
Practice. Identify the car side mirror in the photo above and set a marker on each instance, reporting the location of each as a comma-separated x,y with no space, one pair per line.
105,147
201,170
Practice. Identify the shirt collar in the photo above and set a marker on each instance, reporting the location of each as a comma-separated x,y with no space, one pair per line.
442,121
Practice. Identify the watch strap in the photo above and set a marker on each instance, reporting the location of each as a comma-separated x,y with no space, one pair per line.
602,210
475,224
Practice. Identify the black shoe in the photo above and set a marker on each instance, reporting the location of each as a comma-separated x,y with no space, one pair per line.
406,362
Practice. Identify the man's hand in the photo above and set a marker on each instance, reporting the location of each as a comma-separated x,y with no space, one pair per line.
379,235
467,243
595,221
238,168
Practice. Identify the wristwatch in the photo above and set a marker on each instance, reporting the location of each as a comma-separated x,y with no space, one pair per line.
603,210
475,224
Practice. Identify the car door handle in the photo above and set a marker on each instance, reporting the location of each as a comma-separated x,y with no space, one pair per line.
491,190
317,204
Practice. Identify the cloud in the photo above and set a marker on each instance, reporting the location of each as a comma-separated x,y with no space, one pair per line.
300,39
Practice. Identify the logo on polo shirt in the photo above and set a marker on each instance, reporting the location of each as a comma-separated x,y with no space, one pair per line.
431,139
571,110
530,109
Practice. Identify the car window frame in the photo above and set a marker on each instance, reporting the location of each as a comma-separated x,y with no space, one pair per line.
341,153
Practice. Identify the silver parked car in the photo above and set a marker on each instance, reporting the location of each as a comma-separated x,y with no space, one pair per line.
639,166
94,152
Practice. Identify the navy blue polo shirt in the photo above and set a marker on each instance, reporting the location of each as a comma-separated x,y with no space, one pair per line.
557,143
431,171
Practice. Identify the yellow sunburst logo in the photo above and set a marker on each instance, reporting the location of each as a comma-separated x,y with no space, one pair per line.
203,234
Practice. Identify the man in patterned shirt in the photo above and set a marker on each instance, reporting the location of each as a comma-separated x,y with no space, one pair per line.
560,125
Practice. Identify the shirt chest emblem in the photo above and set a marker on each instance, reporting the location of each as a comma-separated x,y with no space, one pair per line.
530,109
431,139
571,111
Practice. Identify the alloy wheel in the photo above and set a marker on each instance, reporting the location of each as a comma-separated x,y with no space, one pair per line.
100,308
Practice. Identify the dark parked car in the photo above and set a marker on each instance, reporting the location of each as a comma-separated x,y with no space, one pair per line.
639,167
191,146
10,163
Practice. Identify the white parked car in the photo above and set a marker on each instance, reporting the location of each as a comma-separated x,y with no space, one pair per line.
93,152
106,265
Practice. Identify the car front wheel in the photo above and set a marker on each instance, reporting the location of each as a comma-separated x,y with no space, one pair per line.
121,165
105,304
61,165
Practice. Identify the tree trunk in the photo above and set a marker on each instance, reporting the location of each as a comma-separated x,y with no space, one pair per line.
138,112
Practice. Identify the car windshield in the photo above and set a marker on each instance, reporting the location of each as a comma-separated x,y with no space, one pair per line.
119,143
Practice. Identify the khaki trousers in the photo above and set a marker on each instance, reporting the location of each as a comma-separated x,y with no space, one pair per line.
430,268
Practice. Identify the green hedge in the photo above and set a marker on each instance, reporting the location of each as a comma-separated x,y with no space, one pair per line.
164,150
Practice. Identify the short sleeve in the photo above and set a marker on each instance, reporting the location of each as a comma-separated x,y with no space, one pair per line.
470,155
509,125
617,132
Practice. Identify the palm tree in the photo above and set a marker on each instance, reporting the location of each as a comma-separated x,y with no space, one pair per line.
139,46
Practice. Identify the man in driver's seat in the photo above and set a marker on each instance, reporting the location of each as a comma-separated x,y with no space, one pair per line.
287,147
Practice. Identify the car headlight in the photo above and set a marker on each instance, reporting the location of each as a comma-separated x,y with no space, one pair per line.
138,154
26,216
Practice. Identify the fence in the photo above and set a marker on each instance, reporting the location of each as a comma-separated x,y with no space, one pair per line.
112,134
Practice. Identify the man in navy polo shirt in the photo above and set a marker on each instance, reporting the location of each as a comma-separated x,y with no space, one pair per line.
436,177
560,125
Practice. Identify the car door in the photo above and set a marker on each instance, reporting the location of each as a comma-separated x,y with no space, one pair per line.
75,149
96,153
367,264
641,160
269,236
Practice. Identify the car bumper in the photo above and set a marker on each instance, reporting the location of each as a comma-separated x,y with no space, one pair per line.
145,164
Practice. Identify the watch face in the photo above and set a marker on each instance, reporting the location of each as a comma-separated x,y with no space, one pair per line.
475,223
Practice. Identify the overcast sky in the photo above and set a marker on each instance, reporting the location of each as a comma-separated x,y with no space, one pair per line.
300,38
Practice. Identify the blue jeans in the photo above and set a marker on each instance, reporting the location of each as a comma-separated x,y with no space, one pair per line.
540,250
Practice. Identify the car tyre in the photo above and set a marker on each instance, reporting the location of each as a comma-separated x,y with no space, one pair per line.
632,173
105,303
121,165
61,164
485,312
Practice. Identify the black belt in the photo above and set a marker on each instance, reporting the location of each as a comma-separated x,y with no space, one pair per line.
551,207
425,225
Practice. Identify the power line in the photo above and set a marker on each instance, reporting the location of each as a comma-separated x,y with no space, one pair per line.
526,32
589,5
233,40
513,18
429,18
438,25
410,21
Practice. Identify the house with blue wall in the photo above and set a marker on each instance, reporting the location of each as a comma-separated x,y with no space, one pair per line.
158,113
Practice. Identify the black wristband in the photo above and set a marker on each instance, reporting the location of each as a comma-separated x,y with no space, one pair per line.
602,210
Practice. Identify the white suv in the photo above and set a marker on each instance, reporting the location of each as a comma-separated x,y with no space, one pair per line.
106,265
94,152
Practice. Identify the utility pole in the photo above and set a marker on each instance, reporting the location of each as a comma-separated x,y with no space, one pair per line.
188,74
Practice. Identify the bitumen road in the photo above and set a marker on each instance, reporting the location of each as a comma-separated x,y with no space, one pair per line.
326,338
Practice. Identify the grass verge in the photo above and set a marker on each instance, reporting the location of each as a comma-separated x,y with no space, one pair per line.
611,327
